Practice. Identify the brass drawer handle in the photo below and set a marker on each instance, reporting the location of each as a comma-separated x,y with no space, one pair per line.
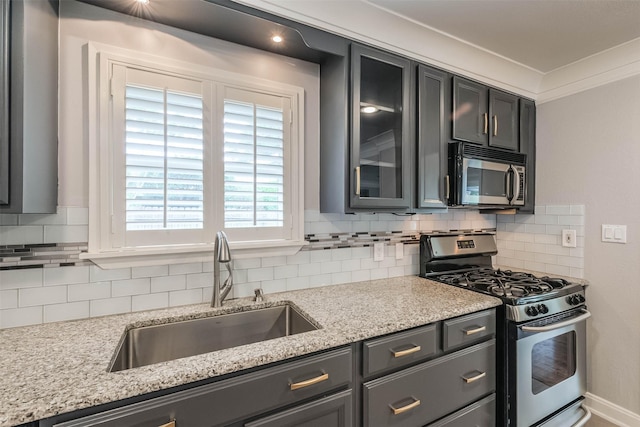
169,424
358,181
307,383
410,406
473,379
475,331
401,353
486,123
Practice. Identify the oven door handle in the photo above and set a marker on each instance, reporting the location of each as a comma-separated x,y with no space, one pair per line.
585,315
586,417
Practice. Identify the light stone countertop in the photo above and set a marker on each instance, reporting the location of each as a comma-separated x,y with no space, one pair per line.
57,368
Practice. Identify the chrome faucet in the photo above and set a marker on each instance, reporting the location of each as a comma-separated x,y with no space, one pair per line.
222,255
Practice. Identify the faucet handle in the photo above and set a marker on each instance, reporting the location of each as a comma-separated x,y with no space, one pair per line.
259,295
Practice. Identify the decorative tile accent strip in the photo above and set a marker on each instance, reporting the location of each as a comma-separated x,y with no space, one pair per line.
42,255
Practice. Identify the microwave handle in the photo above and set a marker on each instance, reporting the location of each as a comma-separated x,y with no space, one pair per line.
509,184
516,184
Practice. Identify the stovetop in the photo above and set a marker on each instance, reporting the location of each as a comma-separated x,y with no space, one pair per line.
464,260
513,287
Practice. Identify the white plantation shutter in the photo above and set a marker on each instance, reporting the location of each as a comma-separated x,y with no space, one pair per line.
253,165
164,159
188,154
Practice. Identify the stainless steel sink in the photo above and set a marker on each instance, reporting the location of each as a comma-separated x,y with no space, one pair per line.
160,343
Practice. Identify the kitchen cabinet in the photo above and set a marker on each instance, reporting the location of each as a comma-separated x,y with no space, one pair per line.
528,146
381,131
29,144
432,118
484,115
422,383
243,398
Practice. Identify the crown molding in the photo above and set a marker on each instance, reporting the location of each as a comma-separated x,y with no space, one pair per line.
381,28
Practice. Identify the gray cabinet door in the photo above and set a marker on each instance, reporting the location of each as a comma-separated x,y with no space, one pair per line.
528,146
381,131
331,411
4,102
234,399
470,111
432,140
503,114
426,392
480,414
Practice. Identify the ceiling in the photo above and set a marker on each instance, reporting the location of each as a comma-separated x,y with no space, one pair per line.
543,35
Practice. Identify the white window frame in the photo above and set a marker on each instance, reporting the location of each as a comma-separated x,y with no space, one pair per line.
106,248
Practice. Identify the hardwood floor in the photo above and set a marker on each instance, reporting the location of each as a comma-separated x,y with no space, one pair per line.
596,421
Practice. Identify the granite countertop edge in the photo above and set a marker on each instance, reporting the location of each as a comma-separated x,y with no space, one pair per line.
58,368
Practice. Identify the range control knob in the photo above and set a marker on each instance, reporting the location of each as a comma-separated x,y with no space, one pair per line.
531,311
581,298
543,309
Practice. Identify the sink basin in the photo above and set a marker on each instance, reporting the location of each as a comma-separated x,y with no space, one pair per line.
160,343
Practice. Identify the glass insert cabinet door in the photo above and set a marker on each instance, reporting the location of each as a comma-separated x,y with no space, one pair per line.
381,135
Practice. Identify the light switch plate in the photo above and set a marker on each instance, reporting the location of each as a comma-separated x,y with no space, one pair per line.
614,233
569,238
378,251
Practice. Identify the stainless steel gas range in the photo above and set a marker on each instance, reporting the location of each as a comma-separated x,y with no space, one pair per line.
542,331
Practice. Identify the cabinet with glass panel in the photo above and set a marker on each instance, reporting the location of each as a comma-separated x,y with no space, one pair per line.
381,131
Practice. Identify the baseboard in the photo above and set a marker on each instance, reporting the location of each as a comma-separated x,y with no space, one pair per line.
611,412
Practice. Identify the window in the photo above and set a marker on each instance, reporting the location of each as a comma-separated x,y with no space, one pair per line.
181,154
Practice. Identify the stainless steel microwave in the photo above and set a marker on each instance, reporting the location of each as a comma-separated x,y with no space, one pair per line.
484,176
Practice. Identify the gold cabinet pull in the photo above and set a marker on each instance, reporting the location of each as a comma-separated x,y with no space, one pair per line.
406,352
307,383
410,406
495,125
172,423
358,181
475,331
473,379
486,123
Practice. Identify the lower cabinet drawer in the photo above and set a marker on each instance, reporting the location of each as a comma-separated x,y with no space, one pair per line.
466,330
480,414
331,411
235,398
424,393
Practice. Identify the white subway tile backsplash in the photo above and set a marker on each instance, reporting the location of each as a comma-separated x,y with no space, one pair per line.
70,292
168,283
188,296
66,275
120,288
542,233
150,302
105,307
89,291
66,311
176,269
29,297
96,274
8,299
23,278
154,271
15,317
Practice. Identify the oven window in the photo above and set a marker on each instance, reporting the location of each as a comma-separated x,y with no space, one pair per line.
553,361
486,182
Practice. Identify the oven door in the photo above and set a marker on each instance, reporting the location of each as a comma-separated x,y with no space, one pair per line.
551,366
491,183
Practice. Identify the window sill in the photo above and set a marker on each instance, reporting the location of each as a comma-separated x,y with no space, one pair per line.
164,255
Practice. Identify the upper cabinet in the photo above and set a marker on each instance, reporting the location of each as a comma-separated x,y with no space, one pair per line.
528,146
433,120
29,145
381,133
484,115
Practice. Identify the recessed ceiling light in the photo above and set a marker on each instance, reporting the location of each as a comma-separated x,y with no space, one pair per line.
143,1
368,109
277,39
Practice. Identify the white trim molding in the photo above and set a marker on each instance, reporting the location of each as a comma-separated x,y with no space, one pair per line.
611,412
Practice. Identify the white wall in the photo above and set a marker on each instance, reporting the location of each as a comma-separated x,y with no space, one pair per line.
589,154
